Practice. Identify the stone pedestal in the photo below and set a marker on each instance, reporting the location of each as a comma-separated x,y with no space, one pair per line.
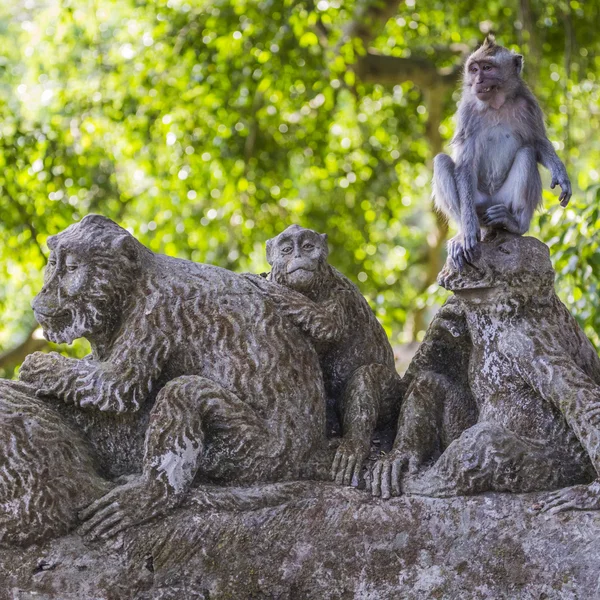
336,543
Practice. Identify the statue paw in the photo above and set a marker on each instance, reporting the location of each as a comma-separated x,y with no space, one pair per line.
132,503
40,369
348,462
385,478
578,497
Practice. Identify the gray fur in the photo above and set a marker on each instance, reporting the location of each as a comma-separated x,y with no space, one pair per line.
492,180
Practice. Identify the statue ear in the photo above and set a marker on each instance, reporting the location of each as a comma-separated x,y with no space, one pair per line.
270,250
323,237
51,242
518,60
126,246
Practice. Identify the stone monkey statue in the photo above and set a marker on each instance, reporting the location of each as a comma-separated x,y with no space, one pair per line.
437,403
355,354
194,375
493,179
536,381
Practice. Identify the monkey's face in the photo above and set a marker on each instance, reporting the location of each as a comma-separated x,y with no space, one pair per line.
492,72
85,288
297,257
511,267
485,79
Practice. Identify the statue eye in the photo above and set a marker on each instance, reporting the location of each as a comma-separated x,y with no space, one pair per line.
71,268
308,246
52,263
286,249
503,249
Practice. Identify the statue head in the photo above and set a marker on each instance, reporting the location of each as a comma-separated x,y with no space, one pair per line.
91,269
510,267
298,258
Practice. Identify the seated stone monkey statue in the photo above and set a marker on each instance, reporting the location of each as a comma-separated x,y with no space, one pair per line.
355,354
437,404
536,381
194,376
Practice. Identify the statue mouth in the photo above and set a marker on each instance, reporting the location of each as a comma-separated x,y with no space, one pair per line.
51,314
293,270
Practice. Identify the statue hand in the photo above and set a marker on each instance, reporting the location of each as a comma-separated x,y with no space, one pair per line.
386,476
42,370
578,497
131,503
348,461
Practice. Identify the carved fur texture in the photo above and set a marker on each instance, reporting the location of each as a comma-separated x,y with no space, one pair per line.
534,375
194,374
355,354
46,470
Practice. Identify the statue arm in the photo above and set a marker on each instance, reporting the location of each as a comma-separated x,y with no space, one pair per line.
323,322
560,381
119,385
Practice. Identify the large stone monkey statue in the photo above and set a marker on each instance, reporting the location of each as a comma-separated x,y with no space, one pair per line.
355,354
194,375
535,378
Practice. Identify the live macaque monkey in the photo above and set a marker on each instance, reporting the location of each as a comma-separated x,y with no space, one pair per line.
493,180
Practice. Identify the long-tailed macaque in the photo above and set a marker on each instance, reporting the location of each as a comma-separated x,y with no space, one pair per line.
493,180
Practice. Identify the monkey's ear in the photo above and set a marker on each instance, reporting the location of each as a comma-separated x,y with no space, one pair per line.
518,60
270,249
323,237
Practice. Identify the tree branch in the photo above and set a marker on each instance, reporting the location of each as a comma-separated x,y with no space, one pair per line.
392,70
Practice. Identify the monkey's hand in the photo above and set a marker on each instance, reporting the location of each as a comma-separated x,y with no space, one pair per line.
385,478
44,371
561,178
578,497
133,502
348,461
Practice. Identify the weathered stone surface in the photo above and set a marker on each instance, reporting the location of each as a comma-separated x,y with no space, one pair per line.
336,543
194,377
535,379
363,388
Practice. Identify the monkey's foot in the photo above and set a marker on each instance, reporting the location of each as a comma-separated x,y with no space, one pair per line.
126,505
348,461
462,251
386,476
578,497
499,216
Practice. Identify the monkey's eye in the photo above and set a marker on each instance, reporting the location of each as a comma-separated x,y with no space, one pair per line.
487,67
286,249
473,69
308,246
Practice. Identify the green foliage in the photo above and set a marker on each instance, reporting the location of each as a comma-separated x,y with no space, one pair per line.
208,127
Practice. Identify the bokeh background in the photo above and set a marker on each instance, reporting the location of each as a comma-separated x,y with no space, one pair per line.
206,127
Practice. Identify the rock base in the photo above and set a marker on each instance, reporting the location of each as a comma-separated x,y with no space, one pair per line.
334,544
